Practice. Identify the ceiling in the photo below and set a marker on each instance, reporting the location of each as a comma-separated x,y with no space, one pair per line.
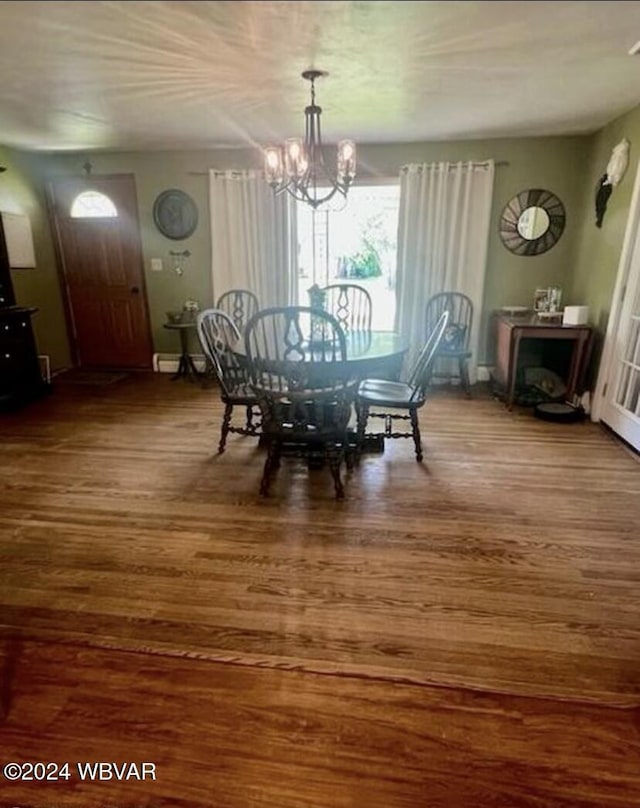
153,75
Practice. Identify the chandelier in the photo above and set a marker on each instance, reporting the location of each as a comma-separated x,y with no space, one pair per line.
298,167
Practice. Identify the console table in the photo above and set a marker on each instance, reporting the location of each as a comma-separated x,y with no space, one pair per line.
512,329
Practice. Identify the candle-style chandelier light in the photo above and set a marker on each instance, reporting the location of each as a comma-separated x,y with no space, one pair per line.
298,167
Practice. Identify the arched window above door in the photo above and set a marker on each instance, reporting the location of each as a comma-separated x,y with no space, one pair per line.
93,205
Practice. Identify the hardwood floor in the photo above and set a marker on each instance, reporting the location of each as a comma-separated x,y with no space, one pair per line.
462,633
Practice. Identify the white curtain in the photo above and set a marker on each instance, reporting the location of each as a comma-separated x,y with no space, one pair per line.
443,232
253,238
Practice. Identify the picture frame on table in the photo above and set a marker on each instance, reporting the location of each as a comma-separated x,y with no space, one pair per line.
541,300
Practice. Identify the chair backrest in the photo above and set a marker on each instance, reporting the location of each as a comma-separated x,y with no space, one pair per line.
218,335
350,304
292,350
460,310
240,305
421,373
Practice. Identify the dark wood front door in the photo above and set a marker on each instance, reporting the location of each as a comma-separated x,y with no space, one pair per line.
98,238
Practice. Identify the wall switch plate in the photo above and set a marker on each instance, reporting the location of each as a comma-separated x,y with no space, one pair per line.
156,264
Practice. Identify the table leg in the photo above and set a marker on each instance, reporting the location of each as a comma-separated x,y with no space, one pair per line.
513,368
192,372
181,371
186,366
577,364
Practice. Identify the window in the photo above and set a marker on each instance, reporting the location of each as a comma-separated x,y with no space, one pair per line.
93,205
355,245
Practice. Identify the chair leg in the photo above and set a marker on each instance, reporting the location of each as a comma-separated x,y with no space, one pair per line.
464,376
226,421
350,453
272,462
362,411
277,454
335,461
415,429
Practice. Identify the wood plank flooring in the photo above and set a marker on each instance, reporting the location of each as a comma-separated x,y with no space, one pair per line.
465,632
235,737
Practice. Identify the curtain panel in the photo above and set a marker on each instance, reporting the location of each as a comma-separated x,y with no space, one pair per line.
253,238
443,233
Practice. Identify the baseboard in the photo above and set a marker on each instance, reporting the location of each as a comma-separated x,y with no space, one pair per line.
483,374
168,363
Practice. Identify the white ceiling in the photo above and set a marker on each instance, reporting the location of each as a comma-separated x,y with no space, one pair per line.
150,75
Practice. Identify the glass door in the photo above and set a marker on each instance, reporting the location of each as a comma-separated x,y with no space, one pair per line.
356,244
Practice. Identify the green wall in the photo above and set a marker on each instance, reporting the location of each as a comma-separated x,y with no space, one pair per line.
554,163
598,249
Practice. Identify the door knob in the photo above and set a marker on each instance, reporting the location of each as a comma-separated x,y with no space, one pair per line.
135,290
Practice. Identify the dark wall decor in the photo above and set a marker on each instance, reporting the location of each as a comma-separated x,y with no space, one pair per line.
175,214
532,222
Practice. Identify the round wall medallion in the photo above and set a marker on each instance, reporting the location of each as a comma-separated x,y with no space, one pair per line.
175,214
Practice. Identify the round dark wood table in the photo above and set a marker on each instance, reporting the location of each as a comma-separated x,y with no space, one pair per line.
369,354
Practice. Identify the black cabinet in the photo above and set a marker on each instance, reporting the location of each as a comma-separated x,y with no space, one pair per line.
6,293
20,377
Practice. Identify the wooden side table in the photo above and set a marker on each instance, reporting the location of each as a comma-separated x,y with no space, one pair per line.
512,329
186,366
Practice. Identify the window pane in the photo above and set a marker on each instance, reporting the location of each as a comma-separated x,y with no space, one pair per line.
91,205
353,245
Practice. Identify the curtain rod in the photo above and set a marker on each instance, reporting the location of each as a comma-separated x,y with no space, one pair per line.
453,164
233,172
497,164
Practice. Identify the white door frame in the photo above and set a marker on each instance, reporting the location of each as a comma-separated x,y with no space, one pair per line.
632,233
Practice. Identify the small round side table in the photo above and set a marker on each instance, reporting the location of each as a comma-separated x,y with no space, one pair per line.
186,367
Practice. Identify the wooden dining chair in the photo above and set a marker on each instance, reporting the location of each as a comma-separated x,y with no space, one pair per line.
350,304
394,400
218,335
454,347
296,357
240,305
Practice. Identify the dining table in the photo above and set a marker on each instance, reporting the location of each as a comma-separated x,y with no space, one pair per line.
374,354
369,354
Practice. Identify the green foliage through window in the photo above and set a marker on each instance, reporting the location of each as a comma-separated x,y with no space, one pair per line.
363,264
